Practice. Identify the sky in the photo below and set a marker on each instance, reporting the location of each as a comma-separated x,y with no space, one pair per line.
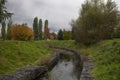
59,13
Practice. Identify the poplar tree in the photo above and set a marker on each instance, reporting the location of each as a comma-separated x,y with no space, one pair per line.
35,28
46,24
46,30
40,29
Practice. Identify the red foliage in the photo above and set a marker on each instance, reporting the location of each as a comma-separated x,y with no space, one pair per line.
21,32
47,30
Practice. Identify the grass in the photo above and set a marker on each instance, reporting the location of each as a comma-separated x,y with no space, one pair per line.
106,57
18,54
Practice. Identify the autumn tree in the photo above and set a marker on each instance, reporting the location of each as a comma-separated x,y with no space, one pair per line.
21,32
60,35
40,29
53,36
35,28
96,21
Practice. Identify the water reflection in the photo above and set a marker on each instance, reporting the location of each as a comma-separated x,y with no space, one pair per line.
64,70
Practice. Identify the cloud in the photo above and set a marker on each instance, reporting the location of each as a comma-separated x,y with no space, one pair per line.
58,12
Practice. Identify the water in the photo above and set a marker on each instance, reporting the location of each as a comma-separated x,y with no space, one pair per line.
64,70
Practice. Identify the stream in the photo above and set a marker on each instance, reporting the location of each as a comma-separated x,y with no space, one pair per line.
66,64
64,70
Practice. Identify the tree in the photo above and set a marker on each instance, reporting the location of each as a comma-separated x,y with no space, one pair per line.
60,35
46,24
73,24
3,32
53,36
67,35
47,33
9,27
46,30
117,28
4,15
40,29
117,32
95,16
35,28
21,32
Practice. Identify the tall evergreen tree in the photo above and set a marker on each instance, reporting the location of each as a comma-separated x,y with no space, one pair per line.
46,30
46,24
4,15
40,29
35,28
60,35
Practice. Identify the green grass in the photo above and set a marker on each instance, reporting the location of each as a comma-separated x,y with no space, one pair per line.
106,57
18,54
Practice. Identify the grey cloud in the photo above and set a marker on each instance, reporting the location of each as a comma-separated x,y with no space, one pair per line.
58,12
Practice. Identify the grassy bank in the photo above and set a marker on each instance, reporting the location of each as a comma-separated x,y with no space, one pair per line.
106,56
18,54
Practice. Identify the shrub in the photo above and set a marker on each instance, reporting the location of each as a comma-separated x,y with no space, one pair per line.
21,32
67,35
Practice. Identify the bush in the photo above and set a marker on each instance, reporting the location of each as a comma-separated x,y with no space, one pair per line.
67,35
21,32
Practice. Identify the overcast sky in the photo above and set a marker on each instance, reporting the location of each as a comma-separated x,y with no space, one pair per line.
58,12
